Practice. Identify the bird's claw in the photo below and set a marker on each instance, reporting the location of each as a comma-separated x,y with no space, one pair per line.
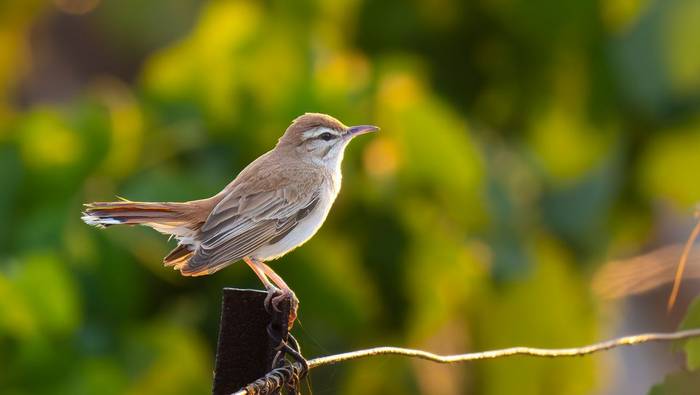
274,299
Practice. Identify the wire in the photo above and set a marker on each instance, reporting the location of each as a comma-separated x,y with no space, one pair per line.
252,389
681,265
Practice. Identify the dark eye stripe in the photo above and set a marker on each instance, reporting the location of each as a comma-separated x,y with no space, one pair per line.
326,136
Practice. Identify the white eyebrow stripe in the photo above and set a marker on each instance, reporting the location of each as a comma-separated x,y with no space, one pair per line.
317,131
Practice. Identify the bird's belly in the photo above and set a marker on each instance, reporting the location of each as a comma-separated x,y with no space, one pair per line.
299,235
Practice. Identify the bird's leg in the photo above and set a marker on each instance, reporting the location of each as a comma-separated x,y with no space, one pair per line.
275,293
286,292
260,272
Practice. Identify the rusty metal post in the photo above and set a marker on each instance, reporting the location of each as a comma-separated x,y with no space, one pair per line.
247,334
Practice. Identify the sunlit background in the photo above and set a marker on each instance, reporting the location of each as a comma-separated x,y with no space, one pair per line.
525,145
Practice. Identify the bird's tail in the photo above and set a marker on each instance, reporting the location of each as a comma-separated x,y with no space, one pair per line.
165,215
177,219
181,220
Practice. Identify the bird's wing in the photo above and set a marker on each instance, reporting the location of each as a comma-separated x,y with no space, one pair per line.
254,213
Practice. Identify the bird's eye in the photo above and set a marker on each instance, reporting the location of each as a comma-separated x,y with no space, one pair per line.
326,136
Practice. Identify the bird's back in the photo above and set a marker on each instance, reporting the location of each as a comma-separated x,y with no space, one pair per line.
271,207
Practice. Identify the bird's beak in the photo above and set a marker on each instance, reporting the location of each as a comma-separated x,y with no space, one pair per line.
353,131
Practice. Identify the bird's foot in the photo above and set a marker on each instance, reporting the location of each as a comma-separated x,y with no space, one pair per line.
275,299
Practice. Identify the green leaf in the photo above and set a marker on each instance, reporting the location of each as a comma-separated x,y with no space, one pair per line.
692,346
50,291
681,383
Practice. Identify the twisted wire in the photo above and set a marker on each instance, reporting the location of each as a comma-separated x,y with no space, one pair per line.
284,374
296,368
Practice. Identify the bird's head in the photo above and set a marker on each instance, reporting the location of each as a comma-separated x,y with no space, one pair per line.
320,139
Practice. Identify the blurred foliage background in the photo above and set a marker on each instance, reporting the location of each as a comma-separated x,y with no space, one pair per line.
524,144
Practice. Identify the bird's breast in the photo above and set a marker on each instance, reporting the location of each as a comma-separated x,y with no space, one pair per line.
304,230
334,179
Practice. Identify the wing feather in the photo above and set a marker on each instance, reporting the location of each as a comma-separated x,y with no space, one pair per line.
248,218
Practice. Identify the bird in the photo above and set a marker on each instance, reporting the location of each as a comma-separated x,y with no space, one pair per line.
274,205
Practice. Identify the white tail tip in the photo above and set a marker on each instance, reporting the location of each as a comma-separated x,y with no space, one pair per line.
98,221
